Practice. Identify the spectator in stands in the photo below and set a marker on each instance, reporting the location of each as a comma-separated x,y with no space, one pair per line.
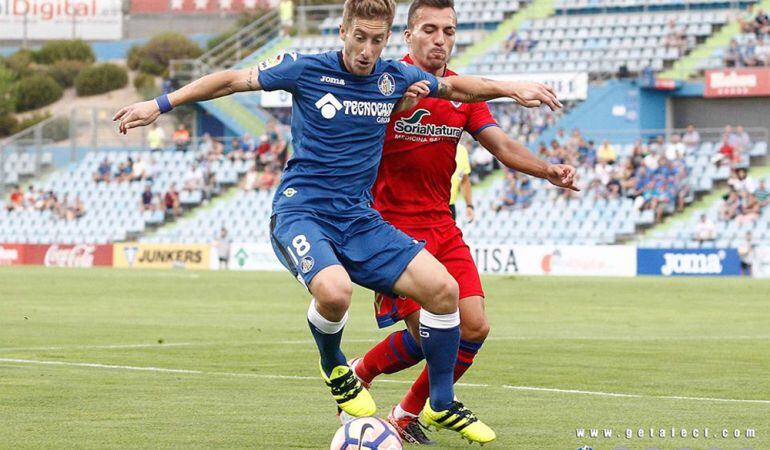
705,231
210,185
746,20
727,153
749,53
675,149
181,138
16,202
561,137
193,178
126,171
30,198
268,179
77,209
139,172
749,209
482,163
251,180
741,181
732,56
762,194
51,202
247,146
222,245
62,207
520,43
675,38
147,198
606,153
730,206
104,171
211,149
746,254
691,140
234,153
742,139
156,138
262,154
761,23
171,201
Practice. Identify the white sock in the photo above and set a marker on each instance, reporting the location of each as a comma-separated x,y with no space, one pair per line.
439,321
321,323
399,412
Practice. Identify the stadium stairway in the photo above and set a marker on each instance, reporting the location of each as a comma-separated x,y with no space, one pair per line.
537,9
692,63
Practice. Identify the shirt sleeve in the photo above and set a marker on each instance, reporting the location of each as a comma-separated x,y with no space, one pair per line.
414,75
281,72
479,119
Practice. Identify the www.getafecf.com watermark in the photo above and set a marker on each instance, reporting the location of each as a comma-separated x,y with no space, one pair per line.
706,433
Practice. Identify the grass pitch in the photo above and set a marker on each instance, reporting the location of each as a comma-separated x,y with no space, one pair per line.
106,358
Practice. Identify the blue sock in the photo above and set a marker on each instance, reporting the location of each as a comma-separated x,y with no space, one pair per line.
440,340
328,336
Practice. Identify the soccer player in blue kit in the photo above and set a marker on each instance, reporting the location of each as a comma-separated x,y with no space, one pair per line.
323,228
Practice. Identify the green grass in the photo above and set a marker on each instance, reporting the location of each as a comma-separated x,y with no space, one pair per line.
245,337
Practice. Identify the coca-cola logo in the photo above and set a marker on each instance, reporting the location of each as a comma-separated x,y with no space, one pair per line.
77,256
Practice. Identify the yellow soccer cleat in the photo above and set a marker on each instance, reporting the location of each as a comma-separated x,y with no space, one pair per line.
460,419
350,395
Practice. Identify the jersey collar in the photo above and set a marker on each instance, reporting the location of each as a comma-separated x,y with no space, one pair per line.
408,59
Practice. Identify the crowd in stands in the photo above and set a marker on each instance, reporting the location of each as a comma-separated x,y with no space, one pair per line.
654,175
129,170
733,148
746,198
169,203
676,37
519,43
743,204
38,200
752,47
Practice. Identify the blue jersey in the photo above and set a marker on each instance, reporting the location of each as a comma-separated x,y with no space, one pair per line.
338,129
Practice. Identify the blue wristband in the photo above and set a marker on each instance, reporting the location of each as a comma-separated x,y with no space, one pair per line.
164,104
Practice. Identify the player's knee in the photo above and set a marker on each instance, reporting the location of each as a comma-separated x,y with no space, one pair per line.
474,331
333,296
445,298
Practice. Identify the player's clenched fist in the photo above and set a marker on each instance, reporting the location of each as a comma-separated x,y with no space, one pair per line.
137,115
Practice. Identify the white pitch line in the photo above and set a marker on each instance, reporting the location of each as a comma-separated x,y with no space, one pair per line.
545,338
98,347
612,394
14,361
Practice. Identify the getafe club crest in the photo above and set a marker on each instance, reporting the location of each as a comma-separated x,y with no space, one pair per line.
307,264
387,84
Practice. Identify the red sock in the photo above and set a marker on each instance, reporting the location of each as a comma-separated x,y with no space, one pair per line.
418,394
396,352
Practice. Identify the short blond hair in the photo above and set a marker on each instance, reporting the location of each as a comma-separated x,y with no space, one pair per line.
369,10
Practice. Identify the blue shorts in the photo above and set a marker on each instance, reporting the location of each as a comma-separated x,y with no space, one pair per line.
372,251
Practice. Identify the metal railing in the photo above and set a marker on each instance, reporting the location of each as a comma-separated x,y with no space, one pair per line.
644,6
757,134
231,51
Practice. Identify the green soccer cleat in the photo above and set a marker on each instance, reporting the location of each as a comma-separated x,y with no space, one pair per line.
350,395
460,419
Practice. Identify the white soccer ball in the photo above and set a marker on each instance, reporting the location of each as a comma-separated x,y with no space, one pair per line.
366,433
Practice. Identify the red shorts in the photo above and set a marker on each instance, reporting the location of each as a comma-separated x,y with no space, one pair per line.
447,245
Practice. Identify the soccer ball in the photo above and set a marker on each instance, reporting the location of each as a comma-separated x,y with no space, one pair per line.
366,433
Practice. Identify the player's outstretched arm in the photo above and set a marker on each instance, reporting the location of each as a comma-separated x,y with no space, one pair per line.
211,86
476,89
518,157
